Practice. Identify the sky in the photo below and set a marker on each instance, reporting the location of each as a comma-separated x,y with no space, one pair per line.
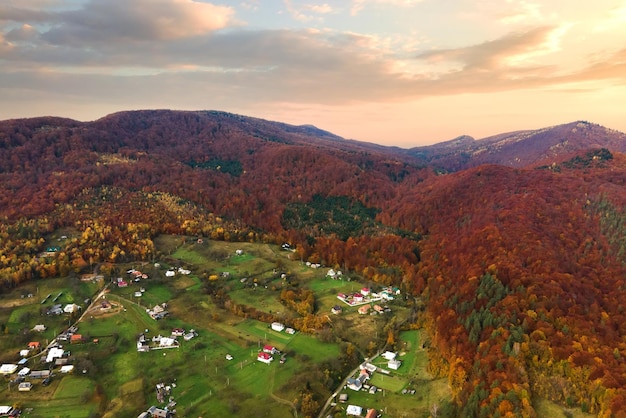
393,72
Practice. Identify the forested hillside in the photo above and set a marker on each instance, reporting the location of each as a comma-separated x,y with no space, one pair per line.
521,269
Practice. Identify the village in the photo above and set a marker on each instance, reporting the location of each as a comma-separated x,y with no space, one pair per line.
140,298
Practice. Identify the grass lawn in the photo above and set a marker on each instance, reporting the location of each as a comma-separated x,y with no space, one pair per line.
548,409
390,383
262,299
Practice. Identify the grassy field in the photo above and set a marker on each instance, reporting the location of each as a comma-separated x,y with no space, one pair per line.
548,409
206,383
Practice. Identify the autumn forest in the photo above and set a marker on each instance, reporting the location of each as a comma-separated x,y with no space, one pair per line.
521,269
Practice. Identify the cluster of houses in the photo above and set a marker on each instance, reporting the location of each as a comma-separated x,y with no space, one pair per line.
158,311
159,342
23,376
267,353
59,309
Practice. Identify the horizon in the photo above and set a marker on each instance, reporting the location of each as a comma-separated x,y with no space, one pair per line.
389,72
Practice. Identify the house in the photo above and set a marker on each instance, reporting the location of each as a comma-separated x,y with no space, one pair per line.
365,291
5,410
39,374
394,364
354,410
190,335
277,326
341,296
24,372
8,368
68,368
76,339
363,310
54,353
336,309
25,387
371,413
388,355
122,283
138,294
369,367
184,271
167,342
290,331
71,308
24,353
343,398
170,273
265,357
379,309
39,328
373,390
270,349
357,298
178,332
354,384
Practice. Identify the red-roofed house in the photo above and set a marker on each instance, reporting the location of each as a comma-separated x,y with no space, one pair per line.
76,338
365,291
265,357
34,345
270,349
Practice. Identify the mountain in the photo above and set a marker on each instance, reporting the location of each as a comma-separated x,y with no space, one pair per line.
521,148
518,253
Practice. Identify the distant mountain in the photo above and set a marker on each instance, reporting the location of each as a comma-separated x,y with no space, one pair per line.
521,148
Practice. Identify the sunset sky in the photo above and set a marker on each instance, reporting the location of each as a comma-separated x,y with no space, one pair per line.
393,72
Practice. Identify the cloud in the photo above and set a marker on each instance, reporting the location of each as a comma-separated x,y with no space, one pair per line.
358,5
137,20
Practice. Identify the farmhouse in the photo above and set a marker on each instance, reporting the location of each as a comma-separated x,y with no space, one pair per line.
265,357
277,326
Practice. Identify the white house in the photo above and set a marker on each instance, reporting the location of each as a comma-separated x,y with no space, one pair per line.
54,353
24,372
354,410
67,368
389,355
277,326
8,368
394,364
170,273
70,308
